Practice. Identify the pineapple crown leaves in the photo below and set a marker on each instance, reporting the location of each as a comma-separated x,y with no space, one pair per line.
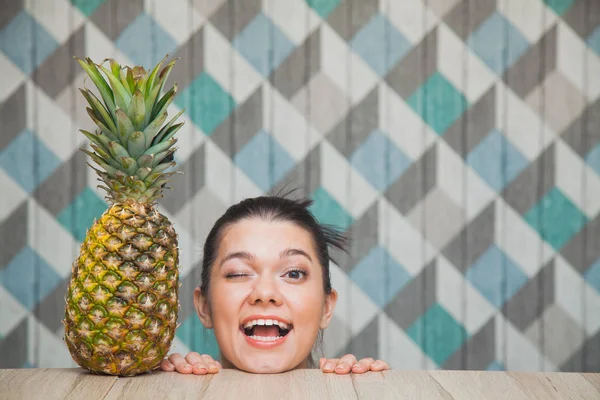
134,142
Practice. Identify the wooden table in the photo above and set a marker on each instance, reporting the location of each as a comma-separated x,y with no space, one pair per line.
304,384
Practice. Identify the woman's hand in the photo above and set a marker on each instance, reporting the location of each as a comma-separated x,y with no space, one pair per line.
193,363
348,363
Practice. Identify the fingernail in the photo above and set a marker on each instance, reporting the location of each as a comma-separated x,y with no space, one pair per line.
186,366
329,366
339,367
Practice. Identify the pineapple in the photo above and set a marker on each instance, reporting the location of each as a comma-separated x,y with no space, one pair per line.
122,301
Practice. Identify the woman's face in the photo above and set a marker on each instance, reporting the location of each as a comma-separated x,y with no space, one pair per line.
266,272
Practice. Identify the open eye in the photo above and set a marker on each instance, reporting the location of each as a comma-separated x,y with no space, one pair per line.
296,274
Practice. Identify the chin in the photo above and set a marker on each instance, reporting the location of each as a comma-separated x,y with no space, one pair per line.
257,366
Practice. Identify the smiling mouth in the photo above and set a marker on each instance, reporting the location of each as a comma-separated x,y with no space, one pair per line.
266,332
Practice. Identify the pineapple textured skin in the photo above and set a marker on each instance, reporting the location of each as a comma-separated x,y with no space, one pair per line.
122,304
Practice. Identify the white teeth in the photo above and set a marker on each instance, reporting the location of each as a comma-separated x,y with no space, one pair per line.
267,322
266,338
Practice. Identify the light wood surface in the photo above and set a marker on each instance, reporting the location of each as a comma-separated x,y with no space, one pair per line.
303,384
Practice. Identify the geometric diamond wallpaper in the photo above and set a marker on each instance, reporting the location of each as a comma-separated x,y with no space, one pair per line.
456,142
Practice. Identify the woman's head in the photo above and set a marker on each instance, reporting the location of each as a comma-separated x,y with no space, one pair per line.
267,258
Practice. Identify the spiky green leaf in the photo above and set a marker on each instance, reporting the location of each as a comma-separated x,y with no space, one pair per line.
100,124
164,74
115,68
136,144
164,129
143,172
122,97
124,81
107,95
150,103
162,146
145,160
171,132
129,165
100,140
140,75
164,102
162,155
160,168
137,110
100,151
99,109
130,80
153,128
117,151
125,126
153,74
103,162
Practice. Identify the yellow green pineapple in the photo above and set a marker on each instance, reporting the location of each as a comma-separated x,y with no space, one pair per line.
122,301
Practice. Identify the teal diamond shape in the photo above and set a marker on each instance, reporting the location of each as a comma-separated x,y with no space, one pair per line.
495,366
555,218
592,276
79,216
28,161
263,44
559,6
207,103
593,40
21,274
264,160
592,158
376,270
26,42
323,7
496,276
437,333
496,160
87,7
134,41
328,211
438,102
197,338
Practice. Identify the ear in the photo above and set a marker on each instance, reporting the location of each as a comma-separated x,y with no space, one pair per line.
202,308
328,307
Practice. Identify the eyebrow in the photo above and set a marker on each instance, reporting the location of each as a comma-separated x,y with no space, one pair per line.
294,252
244,255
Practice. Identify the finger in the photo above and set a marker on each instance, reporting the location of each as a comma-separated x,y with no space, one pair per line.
329,364
379,365
345,364
181,365
193,358
166,365
211,364
363,365
199,366
214,367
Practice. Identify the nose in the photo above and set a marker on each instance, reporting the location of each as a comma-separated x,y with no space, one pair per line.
265,291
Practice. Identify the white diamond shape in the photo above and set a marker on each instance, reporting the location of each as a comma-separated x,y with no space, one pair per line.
11,311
